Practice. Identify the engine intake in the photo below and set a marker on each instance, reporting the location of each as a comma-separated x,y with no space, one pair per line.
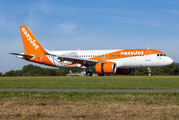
105,68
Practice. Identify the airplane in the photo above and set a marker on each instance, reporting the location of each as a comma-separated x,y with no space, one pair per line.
121,61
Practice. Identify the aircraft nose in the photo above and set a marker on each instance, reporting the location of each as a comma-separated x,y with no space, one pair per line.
169,61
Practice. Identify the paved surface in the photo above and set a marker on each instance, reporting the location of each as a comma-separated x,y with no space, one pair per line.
88,90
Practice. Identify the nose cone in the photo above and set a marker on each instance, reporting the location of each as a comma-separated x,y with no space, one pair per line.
169,61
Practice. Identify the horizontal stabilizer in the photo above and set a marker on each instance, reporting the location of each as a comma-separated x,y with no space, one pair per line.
22,54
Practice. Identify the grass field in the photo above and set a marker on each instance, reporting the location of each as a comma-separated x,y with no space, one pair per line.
97,105
89,105
90,96
105,82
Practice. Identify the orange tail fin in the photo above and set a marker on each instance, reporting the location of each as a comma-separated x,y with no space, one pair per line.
31,44
33,47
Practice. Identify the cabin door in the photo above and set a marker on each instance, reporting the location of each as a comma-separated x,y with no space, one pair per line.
148,56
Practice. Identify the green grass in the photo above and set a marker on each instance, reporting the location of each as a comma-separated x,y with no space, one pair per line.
106,82
88,105
90,96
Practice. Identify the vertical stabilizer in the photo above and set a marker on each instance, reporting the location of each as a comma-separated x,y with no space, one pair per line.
31,44
33,47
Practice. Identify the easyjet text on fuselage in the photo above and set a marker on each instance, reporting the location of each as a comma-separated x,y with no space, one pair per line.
133,53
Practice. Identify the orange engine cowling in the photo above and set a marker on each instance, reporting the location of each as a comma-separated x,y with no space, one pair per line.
106,67
124,71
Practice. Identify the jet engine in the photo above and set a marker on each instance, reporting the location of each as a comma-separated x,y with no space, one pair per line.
105,68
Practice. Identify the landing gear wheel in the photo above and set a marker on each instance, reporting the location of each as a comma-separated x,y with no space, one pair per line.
89,73
100,74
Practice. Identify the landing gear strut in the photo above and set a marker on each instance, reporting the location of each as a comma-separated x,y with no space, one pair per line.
88,73
149,69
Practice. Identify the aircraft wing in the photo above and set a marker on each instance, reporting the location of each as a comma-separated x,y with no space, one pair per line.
73,59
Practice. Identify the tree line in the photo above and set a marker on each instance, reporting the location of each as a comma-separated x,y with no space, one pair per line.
172,69
32,70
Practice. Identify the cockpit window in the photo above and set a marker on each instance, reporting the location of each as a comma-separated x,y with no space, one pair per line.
160,55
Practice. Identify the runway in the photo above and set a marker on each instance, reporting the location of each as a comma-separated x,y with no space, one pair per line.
91,90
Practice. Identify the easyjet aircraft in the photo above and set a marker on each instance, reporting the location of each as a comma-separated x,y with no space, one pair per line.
103,61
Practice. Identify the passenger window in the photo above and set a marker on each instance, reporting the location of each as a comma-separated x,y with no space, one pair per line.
114,55
158,55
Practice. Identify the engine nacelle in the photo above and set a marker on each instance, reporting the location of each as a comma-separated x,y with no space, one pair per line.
105,68
124,71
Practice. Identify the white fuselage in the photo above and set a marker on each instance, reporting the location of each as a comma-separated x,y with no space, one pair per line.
143,61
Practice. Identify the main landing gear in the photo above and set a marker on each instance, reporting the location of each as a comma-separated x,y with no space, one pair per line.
88,73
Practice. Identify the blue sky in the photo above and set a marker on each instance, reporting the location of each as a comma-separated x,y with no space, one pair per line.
89,24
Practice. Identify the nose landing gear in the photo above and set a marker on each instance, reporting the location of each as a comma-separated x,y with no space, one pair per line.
149,70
